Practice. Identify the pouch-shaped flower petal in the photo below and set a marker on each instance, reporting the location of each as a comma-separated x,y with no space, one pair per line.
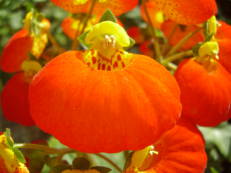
94,108
187,12
16,51
205,94
225,52
223,37
180,150
77,6
14,100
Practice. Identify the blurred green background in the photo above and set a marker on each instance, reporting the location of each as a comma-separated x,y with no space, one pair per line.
12,12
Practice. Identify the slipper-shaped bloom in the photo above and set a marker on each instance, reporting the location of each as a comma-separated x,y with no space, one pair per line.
16,51
23,43
118,7
14,100
205,92
187,12
105,99
223,37
180,150
14,96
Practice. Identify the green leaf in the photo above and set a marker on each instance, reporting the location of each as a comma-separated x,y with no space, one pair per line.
220,137
19,155
196,48
132,42
108,16
82,38
213,170
118,158
9,140
54,143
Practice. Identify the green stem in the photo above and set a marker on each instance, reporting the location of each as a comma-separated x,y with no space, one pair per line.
110,161
153,32
44,148
172,66
169,37
177,57
55,43
76,42
62,151
182,42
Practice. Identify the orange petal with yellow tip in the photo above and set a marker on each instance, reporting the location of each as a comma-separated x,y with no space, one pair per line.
205,94
118,7
187,12
180,150
14,100
175,33
156,15
104,111
70,26
16,51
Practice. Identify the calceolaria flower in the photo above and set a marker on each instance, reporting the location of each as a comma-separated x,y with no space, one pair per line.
16,57
180,150
14,96
187,12
105,99
205,87
83,6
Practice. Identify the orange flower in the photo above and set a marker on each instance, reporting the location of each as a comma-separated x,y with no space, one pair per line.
16,51
23,43
180,150
187,12
82,6
223,37
105,99
205,93
99,110
14,96
180,32
225,52
14,100
154,12
70,26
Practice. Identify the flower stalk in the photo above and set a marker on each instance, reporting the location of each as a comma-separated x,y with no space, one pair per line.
85,21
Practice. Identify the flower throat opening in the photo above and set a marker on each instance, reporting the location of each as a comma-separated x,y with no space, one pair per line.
106,41
119,60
